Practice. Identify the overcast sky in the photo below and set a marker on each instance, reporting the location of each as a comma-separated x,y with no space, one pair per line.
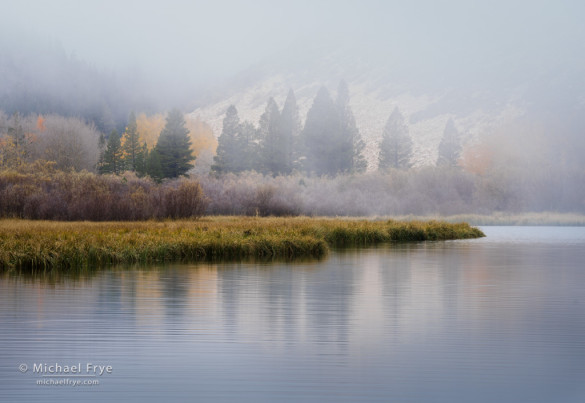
214,39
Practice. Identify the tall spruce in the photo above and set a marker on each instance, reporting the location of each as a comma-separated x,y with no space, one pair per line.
290,124
450,146
248,144
396,145
324,152
228,149
112,162
131,144
351,144
174,146
272,141
237,148
141,160
153,166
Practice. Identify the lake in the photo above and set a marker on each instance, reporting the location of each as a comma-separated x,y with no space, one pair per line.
498,319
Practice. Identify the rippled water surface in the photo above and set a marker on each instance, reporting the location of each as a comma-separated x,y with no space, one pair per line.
499,319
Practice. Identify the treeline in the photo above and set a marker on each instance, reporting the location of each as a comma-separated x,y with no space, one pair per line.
39,191
149,146
328,143
171,157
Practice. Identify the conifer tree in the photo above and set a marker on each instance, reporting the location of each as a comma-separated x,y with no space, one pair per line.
323,149
450,146
396,145
141,160
112,162
131,143
351,143
153,166
227,143
273,147
291,128
237,148
174,146
247,158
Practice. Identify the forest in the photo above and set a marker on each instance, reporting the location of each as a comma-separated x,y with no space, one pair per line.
56,167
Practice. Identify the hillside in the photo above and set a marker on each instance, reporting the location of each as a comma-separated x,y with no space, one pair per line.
371,108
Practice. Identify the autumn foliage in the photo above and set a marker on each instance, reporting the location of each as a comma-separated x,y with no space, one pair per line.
201,135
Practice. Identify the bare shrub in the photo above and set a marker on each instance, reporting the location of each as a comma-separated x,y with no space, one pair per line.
184,199
55,195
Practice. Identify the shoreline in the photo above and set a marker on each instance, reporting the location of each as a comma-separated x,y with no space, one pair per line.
56,245
503,219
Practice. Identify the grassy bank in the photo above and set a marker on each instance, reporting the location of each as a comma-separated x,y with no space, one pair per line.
70,245
530,219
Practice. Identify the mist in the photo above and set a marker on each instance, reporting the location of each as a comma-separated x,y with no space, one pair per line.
511,75
455,43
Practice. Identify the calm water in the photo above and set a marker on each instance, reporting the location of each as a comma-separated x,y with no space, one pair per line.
499,319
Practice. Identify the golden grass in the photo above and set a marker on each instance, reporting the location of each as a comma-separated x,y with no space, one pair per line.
499,218
72,245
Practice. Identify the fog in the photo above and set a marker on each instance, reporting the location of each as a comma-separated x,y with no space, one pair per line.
98,60
439,43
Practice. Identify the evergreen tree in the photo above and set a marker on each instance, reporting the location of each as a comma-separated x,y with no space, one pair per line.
290,124
141,160
396,145
227,144
248,144
450,146
324,150
174,146
153,166
351,144
131,143
273,147
112,162
237,148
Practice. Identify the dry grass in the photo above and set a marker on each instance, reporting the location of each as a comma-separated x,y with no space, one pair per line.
72,245
531,219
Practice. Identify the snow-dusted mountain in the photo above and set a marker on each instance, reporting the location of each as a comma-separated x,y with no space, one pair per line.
478,104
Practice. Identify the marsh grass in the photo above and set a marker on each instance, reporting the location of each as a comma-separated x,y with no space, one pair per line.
528,219
46,245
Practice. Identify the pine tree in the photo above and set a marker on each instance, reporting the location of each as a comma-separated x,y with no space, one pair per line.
272,147
227,146
450,146
291,128
141,160
131,143
396,145
351,143
174,146
237,145
321,136
112,162
153,166
247,158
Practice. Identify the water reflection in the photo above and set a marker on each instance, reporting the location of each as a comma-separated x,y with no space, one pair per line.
443,321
